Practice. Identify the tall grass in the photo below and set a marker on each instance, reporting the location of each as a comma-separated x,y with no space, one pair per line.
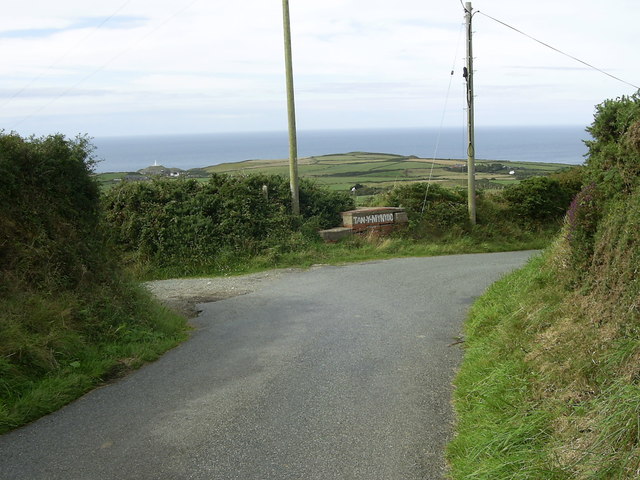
550,382
544,390
501,432
55,347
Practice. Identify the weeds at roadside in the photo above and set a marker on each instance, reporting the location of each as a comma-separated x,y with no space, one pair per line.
56,362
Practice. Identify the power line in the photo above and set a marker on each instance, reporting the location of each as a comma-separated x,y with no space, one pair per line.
559,51
105,64
444,112
64,55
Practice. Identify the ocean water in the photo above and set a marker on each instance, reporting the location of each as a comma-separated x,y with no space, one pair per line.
536,144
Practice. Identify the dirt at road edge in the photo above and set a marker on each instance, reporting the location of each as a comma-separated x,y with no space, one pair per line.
184,294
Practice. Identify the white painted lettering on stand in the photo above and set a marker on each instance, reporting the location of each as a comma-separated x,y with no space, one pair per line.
375,218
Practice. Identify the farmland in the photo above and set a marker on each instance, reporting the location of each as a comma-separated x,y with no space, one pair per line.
382,170
377,170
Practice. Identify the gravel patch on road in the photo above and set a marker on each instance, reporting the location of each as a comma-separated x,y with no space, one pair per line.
184,294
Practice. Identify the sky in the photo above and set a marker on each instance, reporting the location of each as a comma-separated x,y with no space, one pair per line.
141,67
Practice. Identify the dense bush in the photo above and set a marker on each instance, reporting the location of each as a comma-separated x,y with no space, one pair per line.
515,213
614,152
172,222
433,210
571,178
599,260
321,206
67,312
50,212
538,199
581,225
611,178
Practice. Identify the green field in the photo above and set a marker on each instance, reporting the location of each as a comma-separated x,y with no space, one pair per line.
378,170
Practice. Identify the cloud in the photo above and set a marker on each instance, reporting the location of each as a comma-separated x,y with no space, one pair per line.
111,23
122,22
31,33
385,62
547,68
365,88
54,93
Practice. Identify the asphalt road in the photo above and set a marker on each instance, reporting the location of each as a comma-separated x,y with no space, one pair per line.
332,373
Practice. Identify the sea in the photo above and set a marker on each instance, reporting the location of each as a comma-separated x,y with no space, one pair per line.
563,144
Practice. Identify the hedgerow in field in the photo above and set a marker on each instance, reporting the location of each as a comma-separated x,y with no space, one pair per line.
170,222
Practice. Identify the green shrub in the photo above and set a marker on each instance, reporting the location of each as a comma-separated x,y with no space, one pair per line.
68,314
211,225
438,212
570,178
581,226
495,222
611,174
538,200
323,206
614,151
433,210
50,212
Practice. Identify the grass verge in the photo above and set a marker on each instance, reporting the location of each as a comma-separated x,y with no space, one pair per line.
501,431
355,249
48,356
549,387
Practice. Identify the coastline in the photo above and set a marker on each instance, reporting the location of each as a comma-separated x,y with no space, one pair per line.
521,144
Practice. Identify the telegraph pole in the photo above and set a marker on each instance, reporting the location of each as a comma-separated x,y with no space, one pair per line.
291,110
471,154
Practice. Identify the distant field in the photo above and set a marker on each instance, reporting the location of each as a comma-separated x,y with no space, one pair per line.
378,170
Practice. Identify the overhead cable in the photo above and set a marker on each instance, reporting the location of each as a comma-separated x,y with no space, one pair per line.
444,112
559,51
105,64
63,56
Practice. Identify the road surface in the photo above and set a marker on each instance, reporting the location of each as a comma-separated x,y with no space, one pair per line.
331,373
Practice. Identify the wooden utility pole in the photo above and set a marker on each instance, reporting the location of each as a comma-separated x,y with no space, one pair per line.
471,154
291,110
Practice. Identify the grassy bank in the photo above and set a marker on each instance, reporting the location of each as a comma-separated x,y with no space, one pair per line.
503,430
550,383
49,356
70,318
